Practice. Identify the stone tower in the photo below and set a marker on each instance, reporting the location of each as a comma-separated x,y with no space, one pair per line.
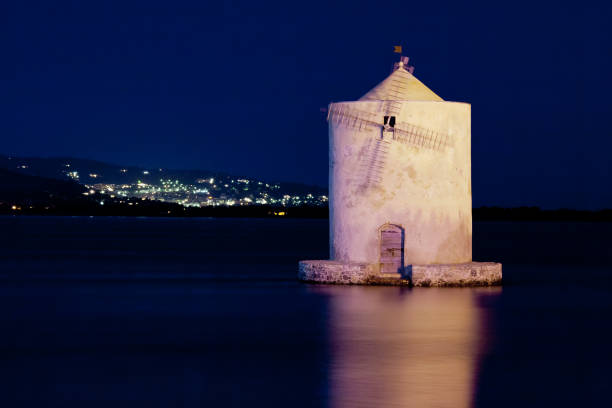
400,189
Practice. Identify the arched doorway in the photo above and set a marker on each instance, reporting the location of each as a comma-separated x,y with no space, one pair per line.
391,248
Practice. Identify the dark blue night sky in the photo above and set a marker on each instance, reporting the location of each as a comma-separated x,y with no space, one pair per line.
238,86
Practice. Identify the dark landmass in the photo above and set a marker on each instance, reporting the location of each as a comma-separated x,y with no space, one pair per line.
33,195
159,209
101,206
22,194
30,190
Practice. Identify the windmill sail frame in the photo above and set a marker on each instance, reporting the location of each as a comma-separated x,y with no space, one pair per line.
403,132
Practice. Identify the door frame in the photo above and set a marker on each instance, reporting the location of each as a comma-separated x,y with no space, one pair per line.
403,236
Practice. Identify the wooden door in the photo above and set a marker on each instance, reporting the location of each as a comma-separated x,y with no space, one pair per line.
391,249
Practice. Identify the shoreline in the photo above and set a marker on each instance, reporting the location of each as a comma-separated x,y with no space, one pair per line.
170,210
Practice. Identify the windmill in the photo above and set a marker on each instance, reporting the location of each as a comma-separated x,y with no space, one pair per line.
415,223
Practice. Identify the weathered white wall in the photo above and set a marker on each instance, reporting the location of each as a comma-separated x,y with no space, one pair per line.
426,191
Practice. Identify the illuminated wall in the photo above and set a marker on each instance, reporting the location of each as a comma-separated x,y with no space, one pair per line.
416,174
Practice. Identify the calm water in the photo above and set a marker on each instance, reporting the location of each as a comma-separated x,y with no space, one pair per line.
127,312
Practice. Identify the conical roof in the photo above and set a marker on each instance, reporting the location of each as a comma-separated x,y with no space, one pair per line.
401,85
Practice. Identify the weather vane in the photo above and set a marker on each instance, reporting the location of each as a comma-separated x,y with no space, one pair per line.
403,62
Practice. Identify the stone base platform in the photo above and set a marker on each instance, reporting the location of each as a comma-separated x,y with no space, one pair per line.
466,274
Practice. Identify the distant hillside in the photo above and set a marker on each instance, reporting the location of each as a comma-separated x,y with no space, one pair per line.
20,188
93,172
22,194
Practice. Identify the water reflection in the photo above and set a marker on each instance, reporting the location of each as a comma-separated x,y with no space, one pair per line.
398,347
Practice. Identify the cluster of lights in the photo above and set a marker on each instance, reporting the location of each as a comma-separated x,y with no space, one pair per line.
16,207
210,191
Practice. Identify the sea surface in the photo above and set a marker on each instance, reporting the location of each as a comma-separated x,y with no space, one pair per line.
151,312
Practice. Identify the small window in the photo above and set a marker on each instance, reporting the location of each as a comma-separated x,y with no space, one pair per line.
390,121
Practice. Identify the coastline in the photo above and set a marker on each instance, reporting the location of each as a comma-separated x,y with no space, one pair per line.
149,208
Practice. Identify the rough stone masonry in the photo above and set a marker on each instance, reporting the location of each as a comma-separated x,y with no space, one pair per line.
467,274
